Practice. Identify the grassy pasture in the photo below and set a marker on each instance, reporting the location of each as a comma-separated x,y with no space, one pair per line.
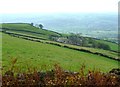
44,33
113,46
110,54
43,56
27,27
93,50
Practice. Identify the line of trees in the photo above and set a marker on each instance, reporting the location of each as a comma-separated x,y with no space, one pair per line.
37,25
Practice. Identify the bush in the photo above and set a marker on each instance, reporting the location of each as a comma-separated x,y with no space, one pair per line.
60,77
101,46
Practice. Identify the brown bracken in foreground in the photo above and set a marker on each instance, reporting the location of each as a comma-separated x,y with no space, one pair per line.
59,77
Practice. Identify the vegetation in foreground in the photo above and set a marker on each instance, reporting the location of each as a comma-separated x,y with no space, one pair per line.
59,77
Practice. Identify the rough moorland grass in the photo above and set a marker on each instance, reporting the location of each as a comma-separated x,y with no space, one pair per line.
34,54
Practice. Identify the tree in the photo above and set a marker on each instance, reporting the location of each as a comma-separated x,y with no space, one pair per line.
74,39
85,42
95,44
41,26
104,46
31,24
101,45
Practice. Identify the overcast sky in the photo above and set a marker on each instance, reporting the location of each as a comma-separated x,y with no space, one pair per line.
46,6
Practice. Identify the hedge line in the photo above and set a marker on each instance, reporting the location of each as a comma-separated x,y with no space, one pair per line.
36,39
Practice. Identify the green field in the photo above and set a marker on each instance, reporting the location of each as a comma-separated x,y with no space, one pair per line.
34,54
113,46
108,53
27,27
43,56
44,33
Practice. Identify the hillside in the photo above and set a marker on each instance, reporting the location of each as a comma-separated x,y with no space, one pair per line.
38,50
113,46
34,54
25,28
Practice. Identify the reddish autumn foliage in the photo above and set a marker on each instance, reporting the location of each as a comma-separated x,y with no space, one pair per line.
59,77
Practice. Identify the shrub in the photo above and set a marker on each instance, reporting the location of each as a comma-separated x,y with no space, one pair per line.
60,77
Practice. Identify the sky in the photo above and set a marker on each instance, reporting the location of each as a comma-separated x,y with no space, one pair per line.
56,6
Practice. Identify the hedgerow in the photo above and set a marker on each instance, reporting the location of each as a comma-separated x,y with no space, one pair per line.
59,77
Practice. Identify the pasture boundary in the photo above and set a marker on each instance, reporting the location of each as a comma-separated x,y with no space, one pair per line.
36,39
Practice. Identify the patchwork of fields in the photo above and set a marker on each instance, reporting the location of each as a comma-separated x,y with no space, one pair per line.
44,56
